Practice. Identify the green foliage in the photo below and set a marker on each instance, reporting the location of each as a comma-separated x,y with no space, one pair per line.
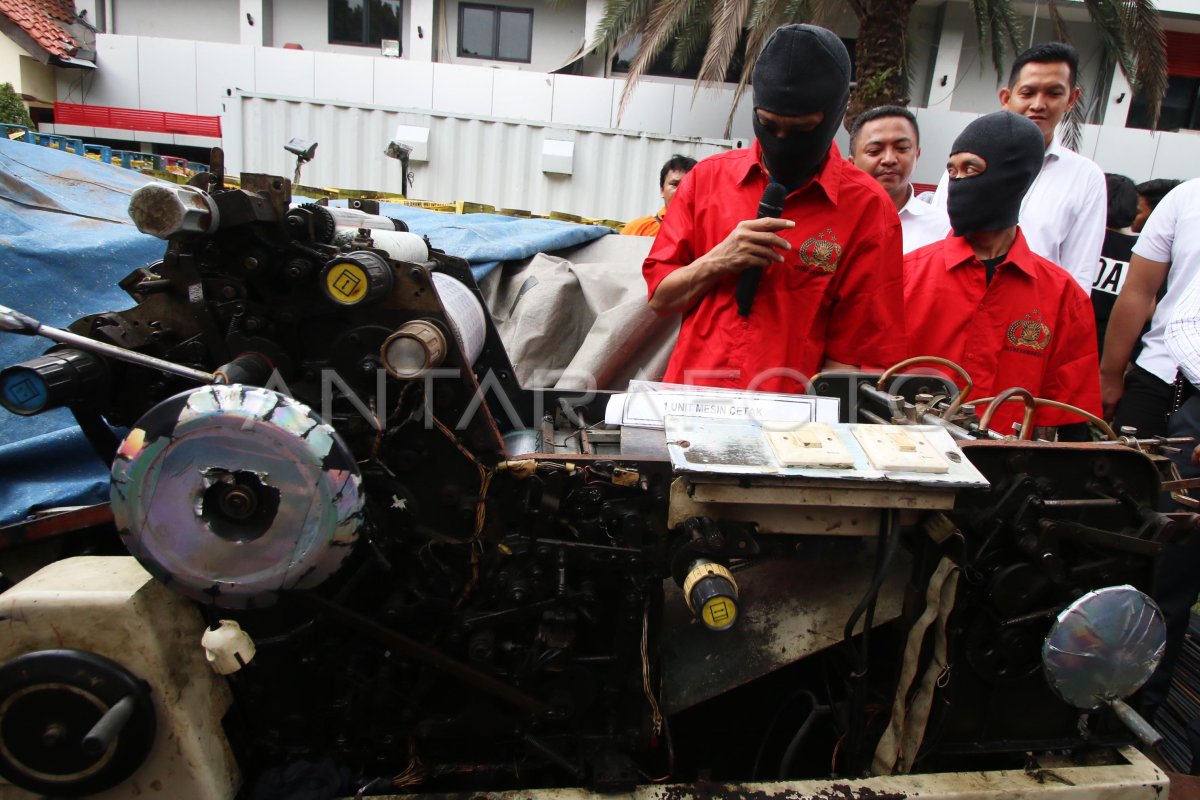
12,109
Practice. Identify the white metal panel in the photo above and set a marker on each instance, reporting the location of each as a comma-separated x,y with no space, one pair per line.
114,82
939,129
147,137
403,84
77,131
197,141
290,73
164,66
522,95
706,115
484,160
462,90
583,101
221,71
349,79
1130,152
1178,156
1089,138
743,128
649,108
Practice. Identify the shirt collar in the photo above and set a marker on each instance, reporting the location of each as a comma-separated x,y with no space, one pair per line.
1055,150
828,177
914,206
958,252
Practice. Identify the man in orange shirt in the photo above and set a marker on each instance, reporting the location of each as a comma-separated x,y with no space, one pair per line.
669,177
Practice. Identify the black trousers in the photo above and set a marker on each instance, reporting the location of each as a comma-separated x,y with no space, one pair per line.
1177,568
1146,404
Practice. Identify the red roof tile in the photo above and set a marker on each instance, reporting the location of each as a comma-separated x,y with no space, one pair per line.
45,21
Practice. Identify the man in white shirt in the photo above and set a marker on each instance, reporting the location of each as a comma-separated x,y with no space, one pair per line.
1167,251
885,143
1177,567
1064,212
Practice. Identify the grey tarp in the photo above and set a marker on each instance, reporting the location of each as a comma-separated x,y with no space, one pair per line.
581,315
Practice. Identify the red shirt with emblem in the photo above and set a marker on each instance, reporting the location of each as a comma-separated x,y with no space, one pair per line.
1031,327
836,295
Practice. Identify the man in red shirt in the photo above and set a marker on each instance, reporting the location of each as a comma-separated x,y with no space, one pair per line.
984,300
829,295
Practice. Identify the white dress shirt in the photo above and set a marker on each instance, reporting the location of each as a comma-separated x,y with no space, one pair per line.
1172,236
922,223
1182,334
1064,213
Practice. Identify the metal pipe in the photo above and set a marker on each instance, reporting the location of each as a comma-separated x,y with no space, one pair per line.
16,322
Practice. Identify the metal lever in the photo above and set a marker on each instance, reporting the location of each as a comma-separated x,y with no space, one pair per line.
109,727
16,322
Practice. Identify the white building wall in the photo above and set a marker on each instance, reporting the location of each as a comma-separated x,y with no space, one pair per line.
202,20
557,34
10,63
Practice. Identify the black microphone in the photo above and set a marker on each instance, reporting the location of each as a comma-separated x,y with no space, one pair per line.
771,205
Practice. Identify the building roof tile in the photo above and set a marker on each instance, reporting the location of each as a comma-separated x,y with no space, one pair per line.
46,22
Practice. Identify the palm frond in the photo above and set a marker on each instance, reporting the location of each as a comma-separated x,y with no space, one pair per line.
661,26
1072,129
764,18
621,21
796,11
1110,20
1148,44
694,37
727,25
1060,25
997,24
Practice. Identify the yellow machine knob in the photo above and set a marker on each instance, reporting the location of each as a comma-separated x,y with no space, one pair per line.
712,594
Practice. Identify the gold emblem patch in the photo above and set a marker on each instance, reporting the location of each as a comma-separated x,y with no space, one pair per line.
821,251
1030,332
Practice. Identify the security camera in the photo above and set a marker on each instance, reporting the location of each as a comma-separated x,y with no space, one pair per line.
302,149
398,150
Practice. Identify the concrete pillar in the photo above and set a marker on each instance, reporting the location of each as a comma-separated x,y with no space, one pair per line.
593,63
418,44
953,22
1120,98
253,23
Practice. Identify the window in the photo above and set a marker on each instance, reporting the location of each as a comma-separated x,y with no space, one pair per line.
364,22
495,32
1181,105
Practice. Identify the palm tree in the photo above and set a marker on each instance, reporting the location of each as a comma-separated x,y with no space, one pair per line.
724,29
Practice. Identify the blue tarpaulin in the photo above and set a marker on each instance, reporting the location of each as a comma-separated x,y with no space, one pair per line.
65,242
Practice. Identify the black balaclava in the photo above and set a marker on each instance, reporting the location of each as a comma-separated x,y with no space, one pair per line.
1013,148
801,70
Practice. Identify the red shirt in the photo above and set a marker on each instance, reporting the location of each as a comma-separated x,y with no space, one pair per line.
1032,327
836,295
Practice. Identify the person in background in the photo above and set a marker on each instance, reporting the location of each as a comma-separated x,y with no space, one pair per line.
1167,253
1064,212
1150,194
829,288
885,143
669,177
983,299
1177,566
1118,247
